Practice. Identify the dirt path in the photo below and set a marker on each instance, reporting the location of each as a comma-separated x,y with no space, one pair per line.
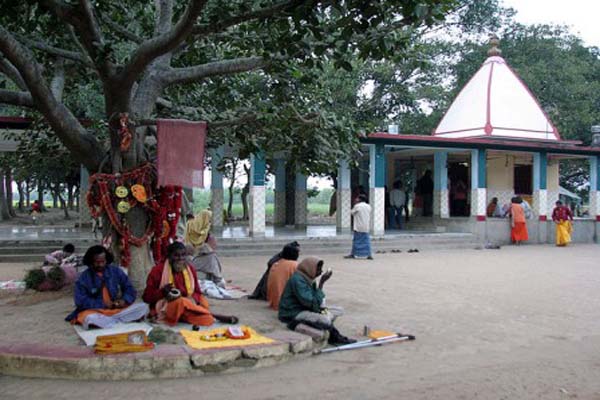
515,323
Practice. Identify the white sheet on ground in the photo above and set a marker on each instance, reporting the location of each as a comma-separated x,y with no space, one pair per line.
212,290
89,336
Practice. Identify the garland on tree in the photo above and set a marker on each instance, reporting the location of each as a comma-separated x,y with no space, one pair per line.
116,194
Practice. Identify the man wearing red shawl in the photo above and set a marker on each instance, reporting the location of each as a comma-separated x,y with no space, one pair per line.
173,293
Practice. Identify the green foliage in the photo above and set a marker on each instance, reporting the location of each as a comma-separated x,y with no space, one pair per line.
56,275
34,277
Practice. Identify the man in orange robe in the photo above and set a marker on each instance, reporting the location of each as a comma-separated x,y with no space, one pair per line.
189,305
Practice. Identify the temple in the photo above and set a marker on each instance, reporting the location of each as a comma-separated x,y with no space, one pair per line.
495,139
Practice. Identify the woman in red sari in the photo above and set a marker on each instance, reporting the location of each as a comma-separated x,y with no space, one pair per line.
518,232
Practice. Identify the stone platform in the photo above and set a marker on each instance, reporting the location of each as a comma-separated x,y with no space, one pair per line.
40,360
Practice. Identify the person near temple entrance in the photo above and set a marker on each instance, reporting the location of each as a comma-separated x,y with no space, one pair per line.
361,241
562,217
425,190
518,232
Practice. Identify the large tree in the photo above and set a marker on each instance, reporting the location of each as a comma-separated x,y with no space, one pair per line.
135,53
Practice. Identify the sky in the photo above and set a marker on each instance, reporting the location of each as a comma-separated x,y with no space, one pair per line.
580,15
583,16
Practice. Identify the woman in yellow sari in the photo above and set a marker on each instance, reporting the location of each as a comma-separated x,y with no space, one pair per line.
204,258
562,217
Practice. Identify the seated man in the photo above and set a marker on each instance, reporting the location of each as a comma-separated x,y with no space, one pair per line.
260,293
280,273
103,294
303,302
57,257
186,303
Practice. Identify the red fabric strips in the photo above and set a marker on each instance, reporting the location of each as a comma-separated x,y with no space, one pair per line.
181,152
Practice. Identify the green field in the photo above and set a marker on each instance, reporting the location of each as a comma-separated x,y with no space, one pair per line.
316,205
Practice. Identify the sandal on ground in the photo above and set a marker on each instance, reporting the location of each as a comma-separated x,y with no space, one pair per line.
229,319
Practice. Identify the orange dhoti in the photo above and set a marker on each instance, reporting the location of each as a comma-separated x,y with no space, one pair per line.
519,232
185,310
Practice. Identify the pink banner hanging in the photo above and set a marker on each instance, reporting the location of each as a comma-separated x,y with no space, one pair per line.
181,152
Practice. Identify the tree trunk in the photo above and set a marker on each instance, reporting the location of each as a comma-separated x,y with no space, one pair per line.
245,192
231,185
70,199
54,199
28,193
41,195
3,203
63,205
21,196
9,193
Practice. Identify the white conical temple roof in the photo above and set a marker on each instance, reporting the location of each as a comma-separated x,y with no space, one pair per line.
496,102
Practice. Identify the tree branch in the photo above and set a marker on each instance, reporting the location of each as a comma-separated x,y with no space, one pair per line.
71,55
211,125
132,37
83,146
12,73
219,26
20,99
220,68
155,47
86,26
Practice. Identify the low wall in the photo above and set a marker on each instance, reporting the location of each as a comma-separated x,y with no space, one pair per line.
497,230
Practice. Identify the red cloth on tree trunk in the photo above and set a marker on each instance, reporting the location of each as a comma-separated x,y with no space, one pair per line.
181,152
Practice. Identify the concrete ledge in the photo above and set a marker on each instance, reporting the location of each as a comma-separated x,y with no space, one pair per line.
35,360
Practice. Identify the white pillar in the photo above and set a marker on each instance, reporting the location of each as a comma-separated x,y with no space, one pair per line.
343,198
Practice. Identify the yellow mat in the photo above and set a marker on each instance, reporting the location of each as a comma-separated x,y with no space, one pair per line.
193,339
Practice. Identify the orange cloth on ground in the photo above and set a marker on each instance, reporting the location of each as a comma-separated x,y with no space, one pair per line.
519,232
104,311
279,274
517,212
183,309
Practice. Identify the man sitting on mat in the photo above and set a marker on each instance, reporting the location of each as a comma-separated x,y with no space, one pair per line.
173,293
302,302
103,294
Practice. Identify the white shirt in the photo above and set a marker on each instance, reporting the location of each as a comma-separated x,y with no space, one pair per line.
362,217
397,198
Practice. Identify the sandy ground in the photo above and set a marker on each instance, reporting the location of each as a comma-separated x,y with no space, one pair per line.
515,323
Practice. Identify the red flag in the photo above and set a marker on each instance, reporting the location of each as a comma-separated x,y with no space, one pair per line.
181,152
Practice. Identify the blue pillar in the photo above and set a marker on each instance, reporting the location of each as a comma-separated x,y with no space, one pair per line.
478,184
440,184
257,195
595,192
540,186
377,183
300,201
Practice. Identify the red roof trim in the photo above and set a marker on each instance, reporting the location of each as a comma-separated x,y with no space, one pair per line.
511,142
457,96
488,111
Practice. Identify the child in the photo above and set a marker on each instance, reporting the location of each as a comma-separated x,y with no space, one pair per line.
57,257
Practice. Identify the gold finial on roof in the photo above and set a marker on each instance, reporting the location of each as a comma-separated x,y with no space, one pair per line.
494,50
